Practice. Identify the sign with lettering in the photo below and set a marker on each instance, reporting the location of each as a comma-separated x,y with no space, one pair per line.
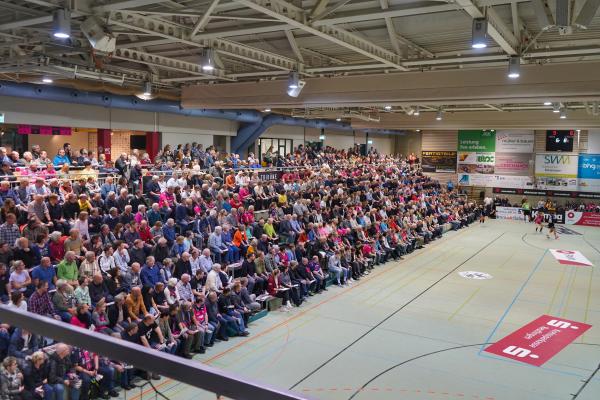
538,341
571,257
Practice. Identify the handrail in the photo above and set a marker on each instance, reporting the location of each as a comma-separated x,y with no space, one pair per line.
195,374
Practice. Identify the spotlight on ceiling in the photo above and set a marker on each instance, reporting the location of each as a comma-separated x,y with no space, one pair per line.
295,84
147,89
418,130
47,79
514,67
387,107
338,119
61,21
479,33
556,107
438,116
547,103
417,112
563,113
208,60
321,137
96,34
268,109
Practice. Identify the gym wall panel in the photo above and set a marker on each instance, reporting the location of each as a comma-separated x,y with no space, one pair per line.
439,140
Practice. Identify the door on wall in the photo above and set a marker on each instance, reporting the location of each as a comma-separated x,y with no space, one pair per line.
282,147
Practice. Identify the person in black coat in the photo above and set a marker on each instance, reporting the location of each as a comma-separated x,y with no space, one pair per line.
118,316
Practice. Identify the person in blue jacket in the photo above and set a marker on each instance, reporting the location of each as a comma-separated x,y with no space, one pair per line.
61,158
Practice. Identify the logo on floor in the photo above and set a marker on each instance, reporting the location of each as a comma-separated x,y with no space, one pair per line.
475,275
563,230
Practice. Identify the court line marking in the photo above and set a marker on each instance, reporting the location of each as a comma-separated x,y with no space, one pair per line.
397,311
564,311
562,276
464,304
514,300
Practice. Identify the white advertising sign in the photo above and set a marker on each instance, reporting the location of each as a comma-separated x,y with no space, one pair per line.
593,141
514,141
556,171
511,213
503,181
571,257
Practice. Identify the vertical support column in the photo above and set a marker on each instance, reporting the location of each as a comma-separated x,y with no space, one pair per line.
152,143
104,143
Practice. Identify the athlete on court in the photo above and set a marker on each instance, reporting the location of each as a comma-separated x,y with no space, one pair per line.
551,227
539,221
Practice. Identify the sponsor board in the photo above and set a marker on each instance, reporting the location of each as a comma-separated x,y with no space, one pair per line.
476,141
556,171
538,341
476,163
519,164
541,192
438,161
514,141
511,213
593,141
582,218
571,257
517,182
588,172
475,275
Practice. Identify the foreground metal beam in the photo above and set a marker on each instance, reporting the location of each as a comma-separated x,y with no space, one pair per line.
203,21
193,373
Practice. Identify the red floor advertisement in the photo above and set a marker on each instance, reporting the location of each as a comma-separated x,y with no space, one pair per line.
571,257
539,340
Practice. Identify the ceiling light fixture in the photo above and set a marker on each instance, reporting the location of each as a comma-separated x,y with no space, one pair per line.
208,60
563,113
61,20
387,107
417,112
294,84
547,103
556,108
479,33
438,116
268,109
47,79
514,67
147,88
338,119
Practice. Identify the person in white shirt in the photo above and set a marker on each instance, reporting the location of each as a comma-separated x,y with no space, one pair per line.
213,279
205,261
121,257
195,261
106,261
81,224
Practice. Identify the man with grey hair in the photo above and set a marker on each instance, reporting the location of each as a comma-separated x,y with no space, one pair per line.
216,245
213,279
184,288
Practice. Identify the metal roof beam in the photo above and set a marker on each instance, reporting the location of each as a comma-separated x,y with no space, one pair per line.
294,45
391,12
333,34
203,21
122,5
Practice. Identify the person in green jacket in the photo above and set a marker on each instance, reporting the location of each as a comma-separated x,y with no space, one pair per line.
67,269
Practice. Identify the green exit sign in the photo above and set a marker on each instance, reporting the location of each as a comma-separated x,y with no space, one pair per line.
1,118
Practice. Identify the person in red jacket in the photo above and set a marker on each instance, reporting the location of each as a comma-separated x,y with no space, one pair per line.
275,288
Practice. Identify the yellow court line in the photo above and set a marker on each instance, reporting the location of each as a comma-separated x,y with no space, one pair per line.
588,300
464,304
564,312
378,301
556,291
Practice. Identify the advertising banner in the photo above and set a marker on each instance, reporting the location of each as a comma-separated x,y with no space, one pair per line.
514,141
504,181
438,161
476,162
571,257
540,192
588,172
582,218
555,171
593,141
477,141
520,164
538,341
511,213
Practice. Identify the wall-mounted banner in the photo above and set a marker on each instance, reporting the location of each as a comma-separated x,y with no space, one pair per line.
476,163
593,141
514,141
42,130
438,161
538,341
504,181
520,164
582,218
547,193
588,172
511,213
477,141
556,171
571,257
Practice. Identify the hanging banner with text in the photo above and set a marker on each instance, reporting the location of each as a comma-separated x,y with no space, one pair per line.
556,171
477,141
538,341
571,257
514,141
519,164
504,181
476,163
43,130
588,172
438,161
582,218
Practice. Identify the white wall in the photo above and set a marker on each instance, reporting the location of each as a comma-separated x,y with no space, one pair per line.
42,112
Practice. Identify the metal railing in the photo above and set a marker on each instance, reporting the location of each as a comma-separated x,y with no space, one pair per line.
192,373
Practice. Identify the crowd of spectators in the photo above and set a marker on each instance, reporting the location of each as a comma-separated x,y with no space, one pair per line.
178,253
